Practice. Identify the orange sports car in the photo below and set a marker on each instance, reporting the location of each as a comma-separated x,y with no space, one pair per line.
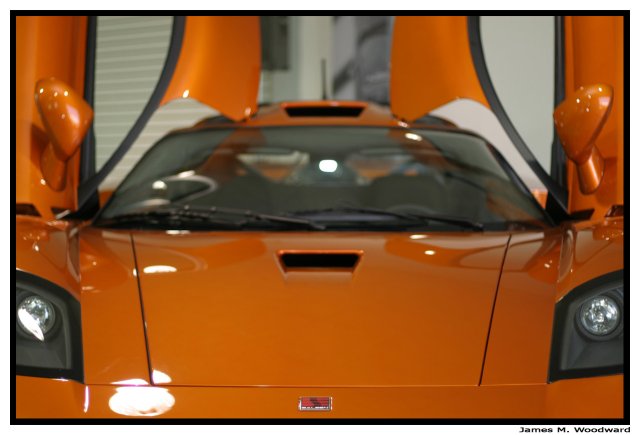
318,259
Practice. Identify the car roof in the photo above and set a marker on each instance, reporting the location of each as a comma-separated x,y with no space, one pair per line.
322,112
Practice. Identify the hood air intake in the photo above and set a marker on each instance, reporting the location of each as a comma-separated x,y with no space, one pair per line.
344,261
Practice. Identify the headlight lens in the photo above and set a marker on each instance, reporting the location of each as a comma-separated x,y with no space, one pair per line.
600,315
588,337
47,333
36,316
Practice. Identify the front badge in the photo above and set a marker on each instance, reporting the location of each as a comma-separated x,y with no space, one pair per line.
314,404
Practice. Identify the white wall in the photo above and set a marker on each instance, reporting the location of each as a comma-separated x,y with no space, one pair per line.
344,50
314,35
520,58
519,52
310,42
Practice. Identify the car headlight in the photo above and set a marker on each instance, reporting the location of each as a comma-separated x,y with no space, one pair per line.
47,329
600,316
588,329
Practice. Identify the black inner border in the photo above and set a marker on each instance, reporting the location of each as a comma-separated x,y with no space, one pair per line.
261,421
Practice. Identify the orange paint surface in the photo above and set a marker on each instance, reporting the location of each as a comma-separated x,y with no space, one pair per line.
561,399
45,47
66,117
401,317
431,65
219,64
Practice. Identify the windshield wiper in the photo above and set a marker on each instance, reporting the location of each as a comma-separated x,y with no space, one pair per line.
162,218
262,216
421,217
178,215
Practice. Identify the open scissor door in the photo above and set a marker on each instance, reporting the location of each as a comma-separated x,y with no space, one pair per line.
431,65
436,61
439,60
218,64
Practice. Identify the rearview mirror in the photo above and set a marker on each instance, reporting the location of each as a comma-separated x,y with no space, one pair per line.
66,118
579,120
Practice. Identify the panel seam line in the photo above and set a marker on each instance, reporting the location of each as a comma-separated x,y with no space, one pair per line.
144,320
493,308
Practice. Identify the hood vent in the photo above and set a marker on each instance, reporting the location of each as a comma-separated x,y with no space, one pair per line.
344,261
324,111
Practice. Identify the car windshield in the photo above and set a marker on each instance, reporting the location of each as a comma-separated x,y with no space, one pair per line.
343,177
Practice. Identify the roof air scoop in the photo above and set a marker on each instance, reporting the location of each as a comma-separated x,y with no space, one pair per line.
324,111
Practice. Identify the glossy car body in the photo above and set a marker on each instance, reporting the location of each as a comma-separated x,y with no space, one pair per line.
512,383
470,337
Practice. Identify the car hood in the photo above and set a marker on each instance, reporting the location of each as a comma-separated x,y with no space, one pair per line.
222,309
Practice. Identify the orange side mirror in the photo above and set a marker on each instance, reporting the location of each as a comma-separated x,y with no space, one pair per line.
66,118
579,120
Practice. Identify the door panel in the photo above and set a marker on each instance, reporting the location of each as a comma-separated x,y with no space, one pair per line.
45,47
431,65
219,64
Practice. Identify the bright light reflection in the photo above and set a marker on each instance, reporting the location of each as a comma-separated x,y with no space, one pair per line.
185,94
141,401
159,185
160,377
412,136
86,398
74,115
328,165
418,236
178,232
159,268
186,174
430,252
135,381
30,324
